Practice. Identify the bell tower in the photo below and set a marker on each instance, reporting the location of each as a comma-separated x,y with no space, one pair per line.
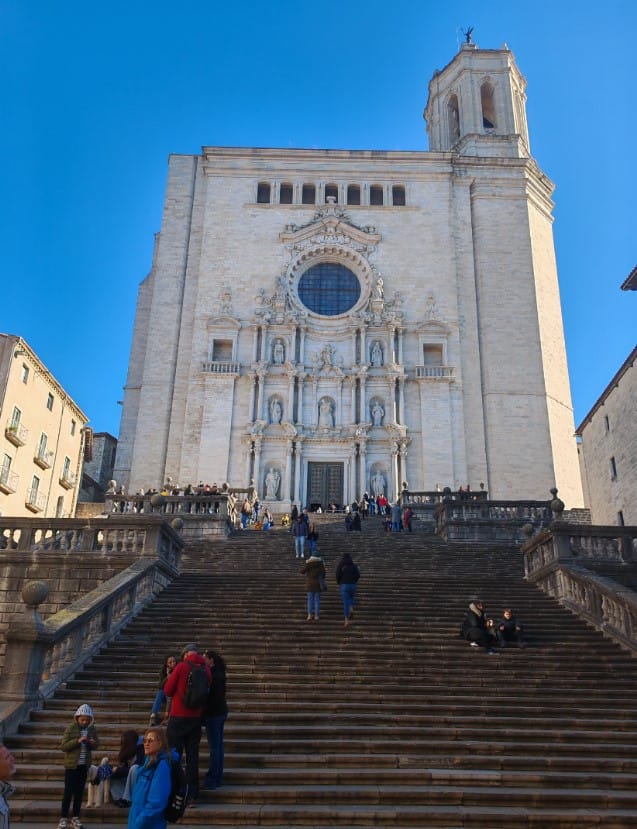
477,105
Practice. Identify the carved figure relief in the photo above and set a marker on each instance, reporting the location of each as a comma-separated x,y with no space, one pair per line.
272,483
376,355
276,410
378,413
278,352
377,483
326,414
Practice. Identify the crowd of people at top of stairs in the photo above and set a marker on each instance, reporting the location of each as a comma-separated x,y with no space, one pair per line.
481,631
193,693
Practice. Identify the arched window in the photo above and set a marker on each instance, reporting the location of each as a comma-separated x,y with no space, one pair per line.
376,194
353,194
331,190
488,106
263,192
398,195
309,194
453,116
285,194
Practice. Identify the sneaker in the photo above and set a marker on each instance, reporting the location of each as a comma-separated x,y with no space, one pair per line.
154,720
309,617
474,644
122,803
63,824
76,823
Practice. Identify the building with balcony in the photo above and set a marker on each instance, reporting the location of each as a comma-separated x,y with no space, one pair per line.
98,466
318,320
41,437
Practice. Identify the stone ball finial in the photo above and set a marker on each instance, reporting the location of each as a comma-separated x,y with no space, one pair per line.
157,500
557,505
527,530
177,524
34,593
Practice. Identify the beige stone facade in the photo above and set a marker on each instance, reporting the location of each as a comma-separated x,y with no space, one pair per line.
41,437
327,322
608,450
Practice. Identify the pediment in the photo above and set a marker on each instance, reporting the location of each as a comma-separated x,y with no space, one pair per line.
224,323
330,225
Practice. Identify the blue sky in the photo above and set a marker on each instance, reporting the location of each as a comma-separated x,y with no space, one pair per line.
95,97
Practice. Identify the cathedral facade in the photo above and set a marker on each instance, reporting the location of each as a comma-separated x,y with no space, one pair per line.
329,322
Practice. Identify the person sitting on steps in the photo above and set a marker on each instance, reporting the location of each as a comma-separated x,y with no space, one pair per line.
474,627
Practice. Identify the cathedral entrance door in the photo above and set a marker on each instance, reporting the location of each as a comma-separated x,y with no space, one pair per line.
324,485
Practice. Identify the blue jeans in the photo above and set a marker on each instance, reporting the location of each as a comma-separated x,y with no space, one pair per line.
214,733
244,520
299,545
348,593
313,601
160,701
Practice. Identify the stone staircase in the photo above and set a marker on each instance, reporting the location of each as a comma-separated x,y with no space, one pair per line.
391,721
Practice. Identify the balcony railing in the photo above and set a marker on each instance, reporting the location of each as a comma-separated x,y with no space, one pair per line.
35,502
9,482
435,372
67,480
44,460
221,367
16,433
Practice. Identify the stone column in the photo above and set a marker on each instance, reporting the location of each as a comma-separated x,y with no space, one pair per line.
400,346
256,472
401,399
253,397
261,376
249,461
287,484
362,467
355,417
299,403
289,415
297,475
394,467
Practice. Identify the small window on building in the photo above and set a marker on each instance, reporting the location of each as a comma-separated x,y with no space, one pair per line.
353,194
49,402
607,423
432,355
222,351
376,195
16,416
25,373
33,492
620,518
398,195
263,192
6,468
66,469
331,191
59,507
42,445
488,107
613,469
73,427
309,194
285,194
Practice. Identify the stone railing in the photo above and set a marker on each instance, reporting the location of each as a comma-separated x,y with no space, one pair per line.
563,560
43,654
483,520
221,367
122,534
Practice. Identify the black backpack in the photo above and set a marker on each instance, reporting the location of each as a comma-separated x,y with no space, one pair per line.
176,805
197,687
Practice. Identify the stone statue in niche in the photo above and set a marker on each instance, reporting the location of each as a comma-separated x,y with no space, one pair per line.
380,288
326,414
225,300
272,483
378,483
377,355
276,411
278,353
431,310
378,413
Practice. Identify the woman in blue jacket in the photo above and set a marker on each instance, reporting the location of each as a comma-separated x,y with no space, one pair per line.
153,784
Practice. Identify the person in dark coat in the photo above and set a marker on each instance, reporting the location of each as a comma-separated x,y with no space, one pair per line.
509,630
347,576
474,627
214,718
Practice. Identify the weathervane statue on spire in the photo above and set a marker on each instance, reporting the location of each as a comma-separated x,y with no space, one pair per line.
467,34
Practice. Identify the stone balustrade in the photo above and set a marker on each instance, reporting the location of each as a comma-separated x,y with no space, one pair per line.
42,654
484,520
565,562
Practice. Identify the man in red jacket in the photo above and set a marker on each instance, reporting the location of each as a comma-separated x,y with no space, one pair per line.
184,724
